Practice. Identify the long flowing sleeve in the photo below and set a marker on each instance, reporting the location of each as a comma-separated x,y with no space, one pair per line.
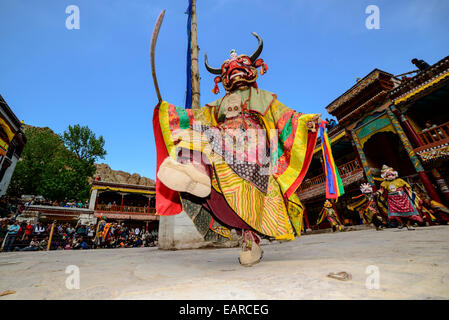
294,150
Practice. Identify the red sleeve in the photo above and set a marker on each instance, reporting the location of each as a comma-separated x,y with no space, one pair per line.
168,202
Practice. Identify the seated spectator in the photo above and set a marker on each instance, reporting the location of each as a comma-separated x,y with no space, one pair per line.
421,64
21,232
81,230
21,208
64,238
83,244
330,123
76,244
125,232
91,231
3,229
11,236
33,245
28,231
49,226
70,230
43,244
39,229
112,243
137,242
405,78
12,209
429,125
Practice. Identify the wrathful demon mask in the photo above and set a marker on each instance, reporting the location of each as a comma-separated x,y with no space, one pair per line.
239,71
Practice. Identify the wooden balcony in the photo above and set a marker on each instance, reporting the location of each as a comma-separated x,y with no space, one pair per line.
435,143
350,172
125,209
435,134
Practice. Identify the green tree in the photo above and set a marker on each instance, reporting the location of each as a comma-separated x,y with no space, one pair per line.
86,148
83,143
40,152
57,166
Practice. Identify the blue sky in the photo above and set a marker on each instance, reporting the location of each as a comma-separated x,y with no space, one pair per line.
100,75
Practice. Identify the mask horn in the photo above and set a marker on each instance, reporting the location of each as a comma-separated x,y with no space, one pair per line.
209,68
257,53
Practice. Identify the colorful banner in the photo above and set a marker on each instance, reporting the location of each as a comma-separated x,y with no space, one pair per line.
334,185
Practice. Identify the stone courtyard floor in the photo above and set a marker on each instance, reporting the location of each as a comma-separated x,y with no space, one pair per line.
410,264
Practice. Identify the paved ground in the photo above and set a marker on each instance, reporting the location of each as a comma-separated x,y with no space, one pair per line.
411,264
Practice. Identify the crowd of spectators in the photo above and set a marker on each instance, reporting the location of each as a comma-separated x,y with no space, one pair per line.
23,236
114,235
13,207
65,204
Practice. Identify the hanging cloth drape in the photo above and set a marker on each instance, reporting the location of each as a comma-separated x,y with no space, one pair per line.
334,185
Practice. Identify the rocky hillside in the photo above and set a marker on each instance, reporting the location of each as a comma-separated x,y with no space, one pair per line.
109,175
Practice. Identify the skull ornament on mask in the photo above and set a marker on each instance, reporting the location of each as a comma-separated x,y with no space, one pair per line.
233,106
392,188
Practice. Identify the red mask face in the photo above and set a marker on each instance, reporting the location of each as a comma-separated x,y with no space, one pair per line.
238,72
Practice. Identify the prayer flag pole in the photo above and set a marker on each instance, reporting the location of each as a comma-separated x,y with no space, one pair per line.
193,74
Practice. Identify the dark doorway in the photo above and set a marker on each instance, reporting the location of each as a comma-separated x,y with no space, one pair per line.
387,148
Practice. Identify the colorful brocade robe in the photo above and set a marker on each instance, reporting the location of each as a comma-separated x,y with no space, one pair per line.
366,207
267,202
399,200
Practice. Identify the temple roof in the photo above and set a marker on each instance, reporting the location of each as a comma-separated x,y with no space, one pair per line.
122,187
6,110
423,83
361,93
